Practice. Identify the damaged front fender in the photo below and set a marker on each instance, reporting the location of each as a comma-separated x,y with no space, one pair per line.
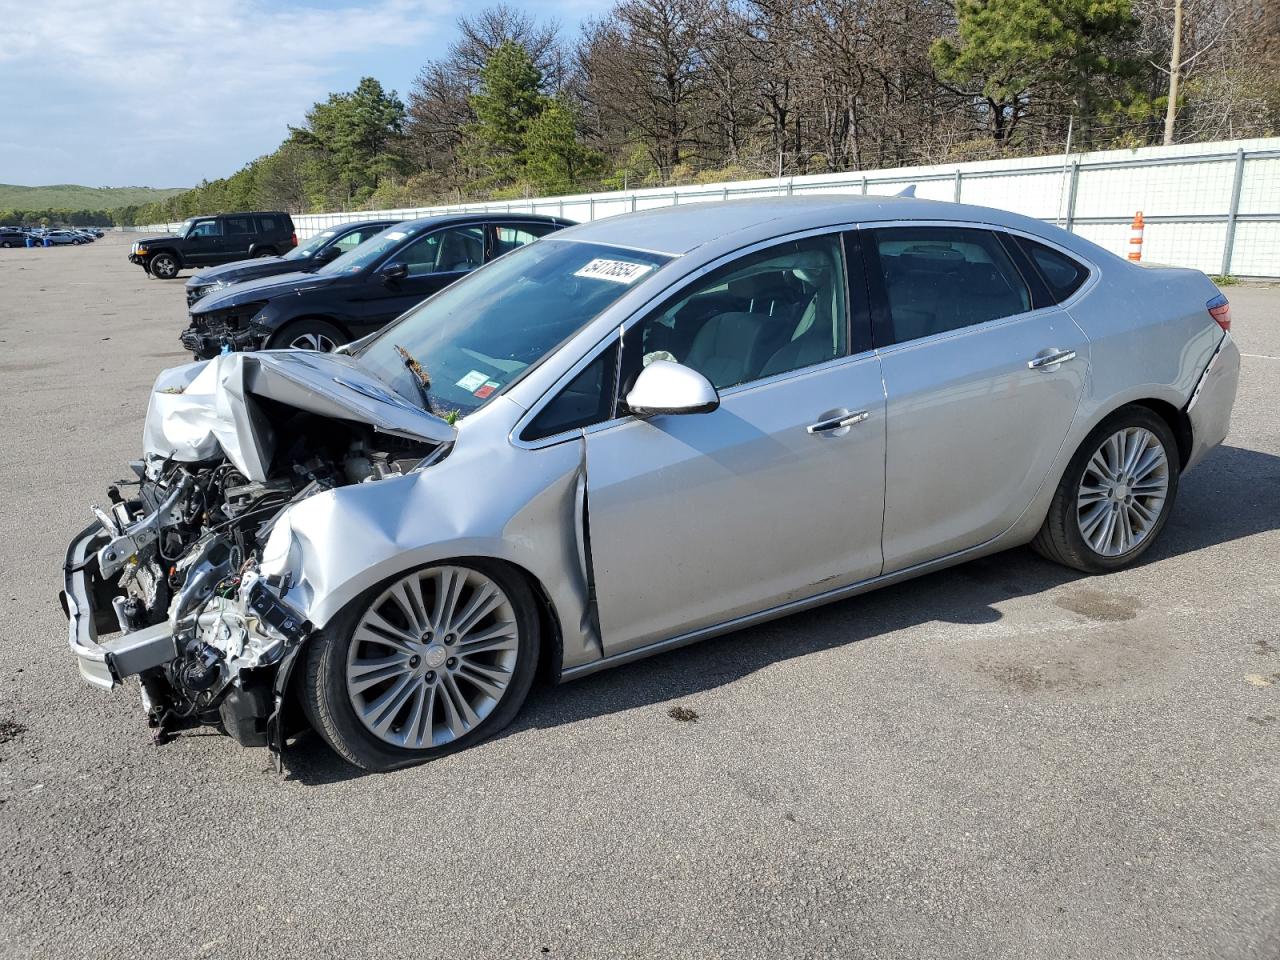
477,502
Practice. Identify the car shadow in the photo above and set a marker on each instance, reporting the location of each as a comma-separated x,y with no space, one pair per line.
1235,493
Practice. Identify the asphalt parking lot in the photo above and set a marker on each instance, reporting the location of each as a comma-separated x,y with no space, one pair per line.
1003,760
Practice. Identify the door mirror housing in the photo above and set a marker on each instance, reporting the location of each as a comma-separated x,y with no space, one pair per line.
329,253
671,388
394,271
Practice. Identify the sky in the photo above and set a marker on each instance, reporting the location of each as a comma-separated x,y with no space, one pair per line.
130,93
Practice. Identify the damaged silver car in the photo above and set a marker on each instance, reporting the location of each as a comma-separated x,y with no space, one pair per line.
635,434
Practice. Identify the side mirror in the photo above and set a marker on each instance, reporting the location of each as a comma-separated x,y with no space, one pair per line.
328,253
394,271
671,388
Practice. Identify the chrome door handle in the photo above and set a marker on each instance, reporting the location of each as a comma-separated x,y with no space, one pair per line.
835,423
1049,360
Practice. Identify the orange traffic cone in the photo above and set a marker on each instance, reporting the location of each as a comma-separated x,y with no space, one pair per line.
1135,237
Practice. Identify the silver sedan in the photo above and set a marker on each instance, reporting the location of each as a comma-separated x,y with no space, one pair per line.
632,435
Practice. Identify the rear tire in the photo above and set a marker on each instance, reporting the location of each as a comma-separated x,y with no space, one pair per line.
163,266
264,252
1115,496
409,671
312,334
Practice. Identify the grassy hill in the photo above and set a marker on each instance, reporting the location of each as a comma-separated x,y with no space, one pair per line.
70,196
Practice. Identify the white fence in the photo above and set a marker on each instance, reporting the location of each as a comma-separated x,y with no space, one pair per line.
1212,206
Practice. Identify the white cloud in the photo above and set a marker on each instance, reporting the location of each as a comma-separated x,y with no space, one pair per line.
129,92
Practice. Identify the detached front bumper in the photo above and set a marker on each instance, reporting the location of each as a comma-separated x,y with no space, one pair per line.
87,601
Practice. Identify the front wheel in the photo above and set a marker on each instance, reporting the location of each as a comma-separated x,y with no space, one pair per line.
309,335
424,664
1115,496
163,265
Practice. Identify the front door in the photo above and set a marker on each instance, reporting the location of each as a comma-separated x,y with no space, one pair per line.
981,388
204,243
777,495
434,261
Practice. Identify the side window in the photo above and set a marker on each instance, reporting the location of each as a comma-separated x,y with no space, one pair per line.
772,311
206,228
238,226
584,400
354,239
1062,275
944,278
510,236
455,250
267,224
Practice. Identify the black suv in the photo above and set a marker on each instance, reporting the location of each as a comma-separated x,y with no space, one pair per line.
360,291
329,244
12,237
206,241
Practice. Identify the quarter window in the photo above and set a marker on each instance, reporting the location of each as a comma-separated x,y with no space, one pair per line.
267,224
1062,275
586,399
772,311
938,279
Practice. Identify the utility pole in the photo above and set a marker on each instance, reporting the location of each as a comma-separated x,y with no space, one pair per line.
1175,68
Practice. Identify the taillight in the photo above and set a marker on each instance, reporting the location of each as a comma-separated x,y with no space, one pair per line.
293,238
1220,310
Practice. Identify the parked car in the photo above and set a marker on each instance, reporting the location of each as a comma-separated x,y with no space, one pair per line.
12,237
63,238
208,241
86,235
360,291
308,257
632,435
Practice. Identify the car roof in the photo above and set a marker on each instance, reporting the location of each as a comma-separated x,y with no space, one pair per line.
678,230
464,218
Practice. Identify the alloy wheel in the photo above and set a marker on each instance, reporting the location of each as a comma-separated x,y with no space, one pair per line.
313,341
432,656
1123,491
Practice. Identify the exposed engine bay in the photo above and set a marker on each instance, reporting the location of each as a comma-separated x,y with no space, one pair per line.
174,560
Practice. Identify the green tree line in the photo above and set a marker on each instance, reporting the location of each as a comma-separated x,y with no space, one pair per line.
672,91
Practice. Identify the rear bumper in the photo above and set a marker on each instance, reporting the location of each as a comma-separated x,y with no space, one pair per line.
87,602
1209,409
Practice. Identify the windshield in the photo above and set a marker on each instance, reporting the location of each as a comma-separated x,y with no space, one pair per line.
369,252
186,226
304,250
475,337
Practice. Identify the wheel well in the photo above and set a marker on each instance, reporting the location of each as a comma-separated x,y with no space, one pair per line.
1178,422
169,250
551,653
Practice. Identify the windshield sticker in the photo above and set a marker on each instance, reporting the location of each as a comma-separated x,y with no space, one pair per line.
615,271
484,392
396,235
472,380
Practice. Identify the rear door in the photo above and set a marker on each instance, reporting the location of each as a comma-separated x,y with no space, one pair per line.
981,385
505,237
238,235
433,261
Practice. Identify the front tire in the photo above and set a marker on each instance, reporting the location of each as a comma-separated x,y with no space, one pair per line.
424,664
308,335
1115,495
163,266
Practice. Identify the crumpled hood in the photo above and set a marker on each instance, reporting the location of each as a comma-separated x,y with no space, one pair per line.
263,288
203,410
